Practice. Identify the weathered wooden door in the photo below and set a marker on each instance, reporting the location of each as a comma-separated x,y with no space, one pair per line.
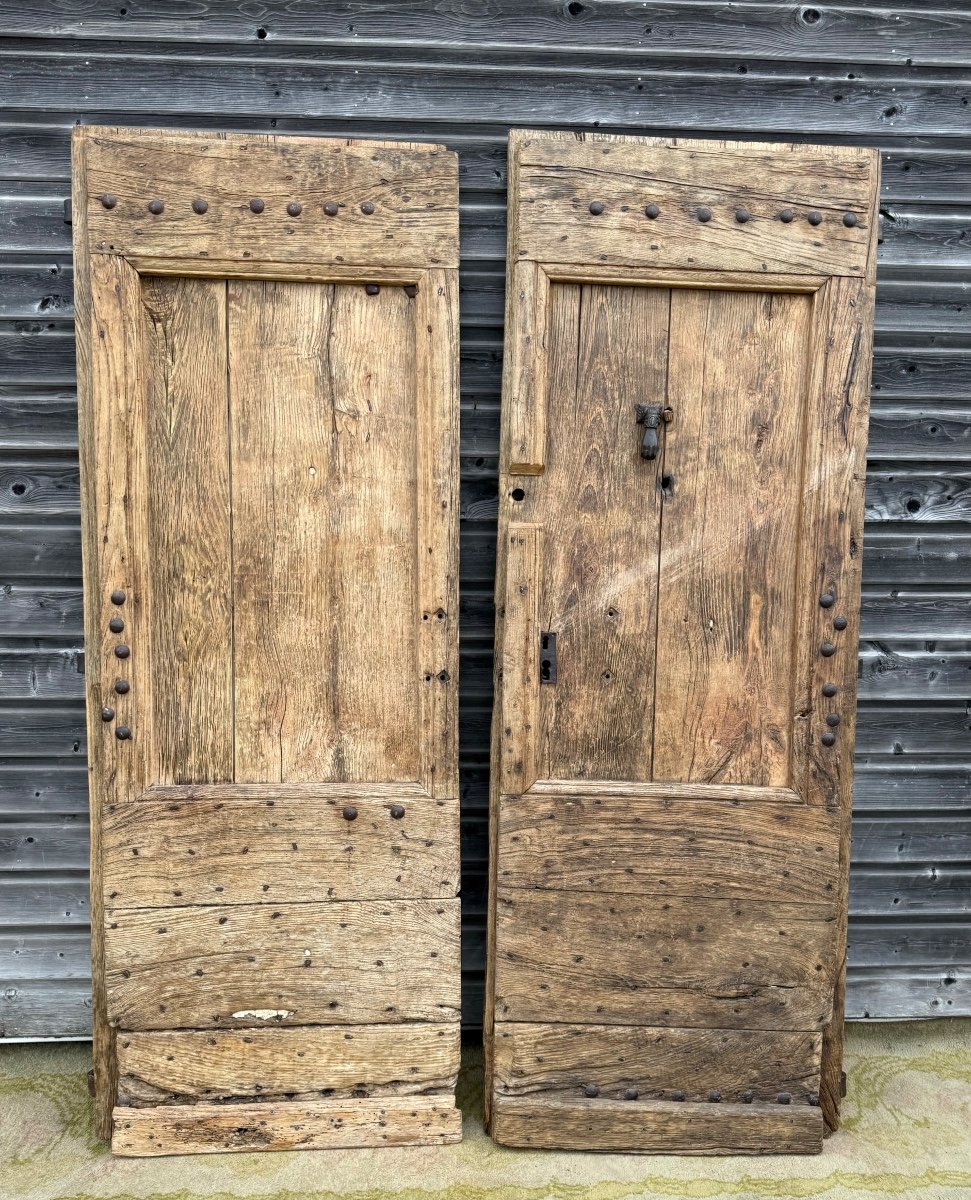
681,500
267,334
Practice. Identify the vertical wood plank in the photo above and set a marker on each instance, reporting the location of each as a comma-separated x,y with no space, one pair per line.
729,538
103,1037
189,527
524,377
324,475
520,656
437,405
608,353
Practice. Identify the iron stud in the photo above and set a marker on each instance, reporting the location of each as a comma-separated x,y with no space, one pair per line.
107,713
116,624
200,206
783,1098
814,1099
596,208
350,812
787,216
832,720
367,208
714,1096
156,207
827,649
118,597
678,1095
591,1090
704,214
828,739
742,215
411,290
294,209
372,289
122,733
397,811
747,1097
109,201
331,208
827,600
829,689
122,687
122,651
256,205
849,219
840,623
814,218
631,1094
652,211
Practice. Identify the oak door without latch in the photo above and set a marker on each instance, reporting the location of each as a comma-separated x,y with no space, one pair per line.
267,342
684,415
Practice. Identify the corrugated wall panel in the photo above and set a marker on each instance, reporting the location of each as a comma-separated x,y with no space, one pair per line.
462,73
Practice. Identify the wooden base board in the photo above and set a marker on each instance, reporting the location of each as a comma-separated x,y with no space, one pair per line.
318,1125
656,1126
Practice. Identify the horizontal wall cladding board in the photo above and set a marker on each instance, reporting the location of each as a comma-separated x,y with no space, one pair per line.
452,85
626,30
856,75
893,994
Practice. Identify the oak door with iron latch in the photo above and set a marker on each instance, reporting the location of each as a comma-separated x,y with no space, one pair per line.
684,416
267,345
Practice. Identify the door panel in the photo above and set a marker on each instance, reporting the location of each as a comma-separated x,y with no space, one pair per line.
684,416
732,479
269,456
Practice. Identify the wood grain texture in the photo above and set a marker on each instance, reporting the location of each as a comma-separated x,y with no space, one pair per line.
189,528
412,188
331,963
324,419
656,1126
680,961
749,850
364,1060
562,1060
517,762
273,850
608,352
732,456
316,1125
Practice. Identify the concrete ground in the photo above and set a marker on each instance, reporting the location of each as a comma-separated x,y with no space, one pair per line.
907,1133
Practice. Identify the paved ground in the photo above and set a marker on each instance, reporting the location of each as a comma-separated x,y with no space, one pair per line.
907,1134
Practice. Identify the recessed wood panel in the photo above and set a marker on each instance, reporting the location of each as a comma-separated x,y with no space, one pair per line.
322,382
732,464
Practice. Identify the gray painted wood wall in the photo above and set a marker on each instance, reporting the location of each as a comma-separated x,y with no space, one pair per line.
463,73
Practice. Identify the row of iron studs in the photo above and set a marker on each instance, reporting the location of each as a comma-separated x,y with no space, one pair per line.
256,205
742,215
122,686
827,650
592,1091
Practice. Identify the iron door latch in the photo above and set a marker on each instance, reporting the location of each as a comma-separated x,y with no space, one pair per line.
547,658
651,416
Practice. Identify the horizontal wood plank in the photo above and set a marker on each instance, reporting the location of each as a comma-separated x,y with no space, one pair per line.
203,850
646,846
317,1125
165,1067
413,191
586,958
655,1061
656,1126
333,963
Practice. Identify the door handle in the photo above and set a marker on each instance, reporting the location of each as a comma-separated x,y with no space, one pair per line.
651,416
